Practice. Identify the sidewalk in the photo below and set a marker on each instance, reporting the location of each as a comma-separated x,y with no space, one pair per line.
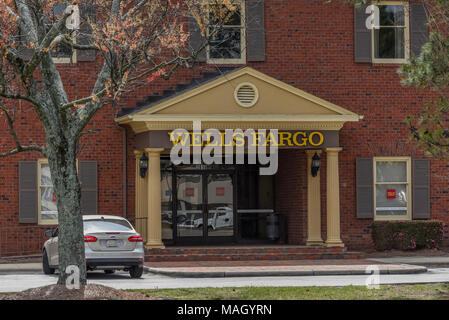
220,269
437,261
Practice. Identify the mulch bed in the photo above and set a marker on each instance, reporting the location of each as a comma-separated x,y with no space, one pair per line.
88,292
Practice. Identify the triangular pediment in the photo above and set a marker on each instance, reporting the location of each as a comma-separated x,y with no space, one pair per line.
220,100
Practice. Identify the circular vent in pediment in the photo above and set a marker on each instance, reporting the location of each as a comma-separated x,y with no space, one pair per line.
246,95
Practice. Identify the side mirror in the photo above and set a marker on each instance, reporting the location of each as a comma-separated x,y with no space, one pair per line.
49,233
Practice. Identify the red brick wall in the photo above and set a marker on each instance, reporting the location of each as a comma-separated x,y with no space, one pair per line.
309,44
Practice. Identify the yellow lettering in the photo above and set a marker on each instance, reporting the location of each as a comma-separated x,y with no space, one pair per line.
304,139
320,142
285,137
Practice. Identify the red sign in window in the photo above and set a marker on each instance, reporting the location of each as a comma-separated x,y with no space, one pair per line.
190,192
220,191
391,194
53,197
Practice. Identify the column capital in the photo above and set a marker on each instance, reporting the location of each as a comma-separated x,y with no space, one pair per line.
311,152
333,150
154,151
138,153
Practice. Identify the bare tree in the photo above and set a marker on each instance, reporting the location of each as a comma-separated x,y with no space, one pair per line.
137,41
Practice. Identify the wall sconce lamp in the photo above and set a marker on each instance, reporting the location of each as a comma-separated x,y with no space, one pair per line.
316,164
143,165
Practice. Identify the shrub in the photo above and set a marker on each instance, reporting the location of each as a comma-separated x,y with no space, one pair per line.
407,235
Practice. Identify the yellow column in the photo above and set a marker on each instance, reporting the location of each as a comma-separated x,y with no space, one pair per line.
154,227
140,198
313,203
333,199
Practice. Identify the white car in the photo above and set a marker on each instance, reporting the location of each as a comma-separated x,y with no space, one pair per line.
111,243
221,217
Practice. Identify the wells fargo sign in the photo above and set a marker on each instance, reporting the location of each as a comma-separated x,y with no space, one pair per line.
287,139
254,138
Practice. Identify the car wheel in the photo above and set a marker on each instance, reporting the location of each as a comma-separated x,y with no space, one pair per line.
109,271
136,272
45,264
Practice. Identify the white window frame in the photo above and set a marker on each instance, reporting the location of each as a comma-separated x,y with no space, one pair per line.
242,59
408,161
406,34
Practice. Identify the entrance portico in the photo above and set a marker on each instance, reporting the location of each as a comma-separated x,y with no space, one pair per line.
241,99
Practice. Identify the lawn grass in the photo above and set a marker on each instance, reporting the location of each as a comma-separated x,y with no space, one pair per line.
391,292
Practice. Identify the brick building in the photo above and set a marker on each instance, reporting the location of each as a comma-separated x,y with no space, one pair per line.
312,70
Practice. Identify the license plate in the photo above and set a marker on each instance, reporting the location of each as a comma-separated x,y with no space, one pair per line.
112,243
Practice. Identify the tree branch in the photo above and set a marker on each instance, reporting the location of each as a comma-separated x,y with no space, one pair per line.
13,133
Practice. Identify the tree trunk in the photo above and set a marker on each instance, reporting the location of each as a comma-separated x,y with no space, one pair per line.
63,166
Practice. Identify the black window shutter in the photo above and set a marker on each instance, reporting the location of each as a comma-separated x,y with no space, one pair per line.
28,210
89,187
421,189
255,30
419,31
87,11
362,39
196,41
365,188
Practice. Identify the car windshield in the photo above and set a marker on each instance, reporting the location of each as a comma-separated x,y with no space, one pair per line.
106,225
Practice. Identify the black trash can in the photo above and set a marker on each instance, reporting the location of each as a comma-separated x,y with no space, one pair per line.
273,226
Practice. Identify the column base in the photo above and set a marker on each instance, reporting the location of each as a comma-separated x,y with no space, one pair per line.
315,243
335,243
154,245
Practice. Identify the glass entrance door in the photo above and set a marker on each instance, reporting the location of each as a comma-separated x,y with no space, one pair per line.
220,205
189,211
205,210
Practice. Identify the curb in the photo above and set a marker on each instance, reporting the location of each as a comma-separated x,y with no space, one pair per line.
229,274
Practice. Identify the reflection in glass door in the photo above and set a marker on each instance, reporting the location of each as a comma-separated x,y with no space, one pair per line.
189,219
220,205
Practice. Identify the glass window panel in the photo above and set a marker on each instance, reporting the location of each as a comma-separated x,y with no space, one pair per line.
190,205
392,196
227,18
392,213
49,211
389,43
392,15
226,44
220,205
106,225
61,51
45,175
235,19
391,171
167,201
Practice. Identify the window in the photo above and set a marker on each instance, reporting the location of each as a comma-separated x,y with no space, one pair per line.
48,212
391,40
227,45
47,209
61,53
392,190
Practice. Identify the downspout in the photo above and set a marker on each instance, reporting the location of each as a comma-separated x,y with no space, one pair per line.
124,171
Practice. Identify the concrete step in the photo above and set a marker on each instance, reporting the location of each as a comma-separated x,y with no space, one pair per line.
253,256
